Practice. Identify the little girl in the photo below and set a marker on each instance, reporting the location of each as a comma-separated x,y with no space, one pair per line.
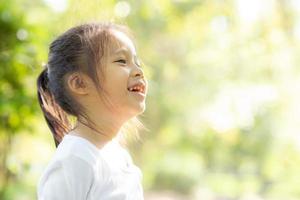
93,73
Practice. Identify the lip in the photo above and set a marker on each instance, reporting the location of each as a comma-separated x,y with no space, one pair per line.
141,84
139,96
138,93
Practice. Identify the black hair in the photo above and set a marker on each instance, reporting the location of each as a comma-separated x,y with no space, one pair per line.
81,48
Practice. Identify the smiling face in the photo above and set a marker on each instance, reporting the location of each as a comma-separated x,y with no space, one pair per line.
124,85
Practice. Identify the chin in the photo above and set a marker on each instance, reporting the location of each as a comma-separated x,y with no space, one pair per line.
137,109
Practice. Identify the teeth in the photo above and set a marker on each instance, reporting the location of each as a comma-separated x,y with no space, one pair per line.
137,88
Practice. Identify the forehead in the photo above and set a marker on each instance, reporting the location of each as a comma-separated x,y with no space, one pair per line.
121,42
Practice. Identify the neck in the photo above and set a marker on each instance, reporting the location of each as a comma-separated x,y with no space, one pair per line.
99,131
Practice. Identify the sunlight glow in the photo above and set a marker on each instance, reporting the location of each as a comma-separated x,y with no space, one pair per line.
236,107
22,34
122,9
57,5
251,11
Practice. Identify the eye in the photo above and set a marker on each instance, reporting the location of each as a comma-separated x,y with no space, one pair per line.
123,61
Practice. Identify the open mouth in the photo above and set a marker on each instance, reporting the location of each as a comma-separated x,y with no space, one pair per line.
139,87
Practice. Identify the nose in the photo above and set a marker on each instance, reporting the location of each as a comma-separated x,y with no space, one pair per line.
137,72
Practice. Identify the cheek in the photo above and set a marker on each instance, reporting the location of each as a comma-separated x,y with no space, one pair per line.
115,84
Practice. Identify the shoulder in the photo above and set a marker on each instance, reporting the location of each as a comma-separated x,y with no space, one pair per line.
66,167
74,163
72,146
66,178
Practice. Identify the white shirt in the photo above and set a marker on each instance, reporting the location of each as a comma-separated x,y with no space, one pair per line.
81,171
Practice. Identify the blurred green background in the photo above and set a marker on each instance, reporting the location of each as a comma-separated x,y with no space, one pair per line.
223,107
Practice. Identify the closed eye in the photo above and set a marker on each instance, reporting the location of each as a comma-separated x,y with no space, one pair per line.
121,61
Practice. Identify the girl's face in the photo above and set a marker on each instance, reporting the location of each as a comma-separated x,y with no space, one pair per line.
124,85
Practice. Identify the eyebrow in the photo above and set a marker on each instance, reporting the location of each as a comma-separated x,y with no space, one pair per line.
125,51
121,50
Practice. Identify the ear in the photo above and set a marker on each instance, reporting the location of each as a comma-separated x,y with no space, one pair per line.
78,83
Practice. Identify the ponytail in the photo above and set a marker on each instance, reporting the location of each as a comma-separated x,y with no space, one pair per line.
56,118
